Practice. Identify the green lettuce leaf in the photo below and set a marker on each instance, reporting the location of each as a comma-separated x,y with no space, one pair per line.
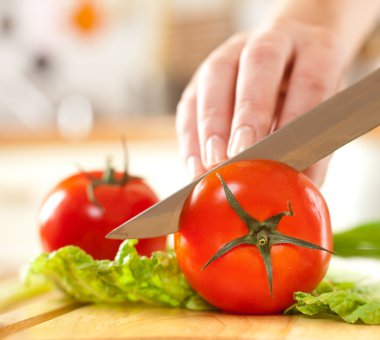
159,280
361,241
130,277
350,301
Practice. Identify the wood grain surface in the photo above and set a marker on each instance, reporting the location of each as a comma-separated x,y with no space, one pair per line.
22,315
51,316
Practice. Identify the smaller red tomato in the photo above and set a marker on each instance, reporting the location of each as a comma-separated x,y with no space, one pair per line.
82,209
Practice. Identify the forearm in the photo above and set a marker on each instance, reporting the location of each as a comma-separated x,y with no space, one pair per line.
350,20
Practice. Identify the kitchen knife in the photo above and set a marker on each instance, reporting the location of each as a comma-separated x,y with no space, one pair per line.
307,139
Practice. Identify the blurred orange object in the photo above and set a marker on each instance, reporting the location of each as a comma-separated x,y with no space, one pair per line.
86,17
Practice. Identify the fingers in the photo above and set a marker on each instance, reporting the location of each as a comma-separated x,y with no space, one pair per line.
205,109
235,99
187,131
315,77
262,65
215,100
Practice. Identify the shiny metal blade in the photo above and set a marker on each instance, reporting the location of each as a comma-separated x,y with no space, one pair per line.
307,139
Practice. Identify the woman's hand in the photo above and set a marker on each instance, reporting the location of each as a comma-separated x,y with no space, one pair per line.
253,84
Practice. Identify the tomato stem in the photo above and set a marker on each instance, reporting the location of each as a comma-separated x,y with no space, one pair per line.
262,234
126,159
262,237
110,177
109,172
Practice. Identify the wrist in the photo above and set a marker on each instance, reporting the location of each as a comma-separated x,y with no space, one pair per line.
326,14
336,18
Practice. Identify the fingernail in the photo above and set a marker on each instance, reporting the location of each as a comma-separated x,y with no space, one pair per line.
194,166
215,150
242,139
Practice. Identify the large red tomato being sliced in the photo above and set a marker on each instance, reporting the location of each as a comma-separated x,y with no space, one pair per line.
260,231
73,214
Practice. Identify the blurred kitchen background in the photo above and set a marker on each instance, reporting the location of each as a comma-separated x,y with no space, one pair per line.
81,64
76,75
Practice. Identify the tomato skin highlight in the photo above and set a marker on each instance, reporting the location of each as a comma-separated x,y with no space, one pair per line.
237,282
67,217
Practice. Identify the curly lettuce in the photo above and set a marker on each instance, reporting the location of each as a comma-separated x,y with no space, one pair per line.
129,277
159,280
347,300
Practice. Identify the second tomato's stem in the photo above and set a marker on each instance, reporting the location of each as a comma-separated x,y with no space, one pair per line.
110,177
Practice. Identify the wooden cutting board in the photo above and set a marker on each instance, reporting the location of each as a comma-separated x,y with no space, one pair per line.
51,316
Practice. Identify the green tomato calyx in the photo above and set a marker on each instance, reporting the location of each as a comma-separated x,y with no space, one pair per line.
109,177
262,234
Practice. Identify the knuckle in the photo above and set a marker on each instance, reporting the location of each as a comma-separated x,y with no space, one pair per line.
254,113
329,47
210,122
250,106
216,64
208,115
261,52
327,38
273,35
311,80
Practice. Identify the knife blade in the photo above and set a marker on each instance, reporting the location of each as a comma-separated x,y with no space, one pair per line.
307,139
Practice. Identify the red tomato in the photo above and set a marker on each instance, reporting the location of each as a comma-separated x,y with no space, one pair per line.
238,280
68,217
